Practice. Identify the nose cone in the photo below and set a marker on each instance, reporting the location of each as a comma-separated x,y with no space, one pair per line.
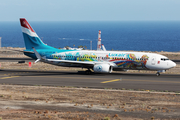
172,64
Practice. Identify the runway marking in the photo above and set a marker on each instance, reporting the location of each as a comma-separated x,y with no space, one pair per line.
111,81
14,73
3,75
9,77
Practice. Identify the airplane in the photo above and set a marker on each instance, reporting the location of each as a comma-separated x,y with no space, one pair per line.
98,61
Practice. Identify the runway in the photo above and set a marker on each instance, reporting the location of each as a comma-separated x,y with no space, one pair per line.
134,81
16,59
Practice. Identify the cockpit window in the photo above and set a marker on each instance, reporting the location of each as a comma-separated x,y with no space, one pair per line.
164,59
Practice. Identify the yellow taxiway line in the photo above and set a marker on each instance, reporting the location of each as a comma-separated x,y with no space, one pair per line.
111,81
9,77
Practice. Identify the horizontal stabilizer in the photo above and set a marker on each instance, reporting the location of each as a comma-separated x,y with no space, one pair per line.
37,60
37,54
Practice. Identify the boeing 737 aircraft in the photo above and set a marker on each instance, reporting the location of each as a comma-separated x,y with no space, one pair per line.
98,61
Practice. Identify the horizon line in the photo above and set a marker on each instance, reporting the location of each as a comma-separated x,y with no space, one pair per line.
94,20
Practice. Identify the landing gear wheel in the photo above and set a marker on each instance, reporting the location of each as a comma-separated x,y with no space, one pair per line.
88,72
158,74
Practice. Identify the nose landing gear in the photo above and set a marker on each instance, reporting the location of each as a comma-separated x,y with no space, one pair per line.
158,72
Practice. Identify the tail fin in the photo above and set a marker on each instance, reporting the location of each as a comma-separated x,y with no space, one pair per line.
31,39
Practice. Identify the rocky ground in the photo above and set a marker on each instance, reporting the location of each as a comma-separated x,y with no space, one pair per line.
60,103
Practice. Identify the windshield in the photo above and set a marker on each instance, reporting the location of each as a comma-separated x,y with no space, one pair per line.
164,59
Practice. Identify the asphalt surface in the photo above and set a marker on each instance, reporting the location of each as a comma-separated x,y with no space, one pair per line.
16,59
136,81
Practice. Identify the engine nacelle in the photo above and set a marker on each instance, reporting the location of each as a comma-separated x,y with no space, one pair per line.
102,68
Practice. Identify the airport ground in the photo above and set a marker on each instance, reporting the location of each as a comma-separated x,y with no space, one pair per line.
51,92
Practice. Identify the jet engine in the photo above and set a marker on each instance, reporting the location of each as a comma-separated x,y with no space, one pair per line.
102,68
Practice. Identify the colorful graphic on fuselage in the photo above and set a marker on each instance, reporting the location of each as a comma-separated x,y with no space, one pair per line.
128,61
132,62
75,56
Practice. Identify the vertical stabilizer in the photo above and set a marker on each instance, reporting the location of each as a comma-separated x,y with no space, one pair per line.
31,39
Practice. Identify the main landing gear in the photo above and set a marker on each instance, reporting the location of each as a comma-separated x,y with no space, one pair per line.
88,72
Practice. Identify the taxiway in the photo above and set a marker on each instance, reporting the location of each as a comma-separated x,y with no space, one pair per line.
134,81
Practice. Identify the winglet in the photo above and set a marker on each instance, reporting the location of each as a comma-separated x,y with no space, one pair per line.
37,55
104,49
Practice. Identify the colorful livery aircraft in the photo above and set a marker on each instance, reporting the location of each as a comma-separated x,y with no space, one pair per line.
98,61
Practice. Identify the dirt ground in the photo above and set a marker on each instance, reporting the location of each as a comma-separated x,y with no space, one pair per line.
61,103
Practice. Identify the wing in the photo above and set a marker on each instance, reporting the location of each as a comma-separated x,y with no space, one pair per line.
60,62
72,62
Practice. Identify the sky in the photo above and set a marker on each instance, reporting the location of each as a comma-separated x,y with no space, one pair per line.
90,10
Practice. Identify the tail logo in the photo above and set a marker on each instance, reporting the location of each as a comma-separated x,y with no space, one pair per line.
31,39
25,24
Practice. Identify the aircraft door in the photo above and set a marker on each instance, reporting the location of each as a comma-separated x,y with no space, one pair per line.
153,60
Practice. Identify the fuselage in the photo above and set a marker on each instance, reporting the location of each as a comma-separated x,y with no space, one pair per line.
118,59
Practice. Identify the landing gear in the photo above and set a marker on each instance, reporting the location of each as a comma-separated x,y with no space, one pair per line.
88,72
160,71
158,74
